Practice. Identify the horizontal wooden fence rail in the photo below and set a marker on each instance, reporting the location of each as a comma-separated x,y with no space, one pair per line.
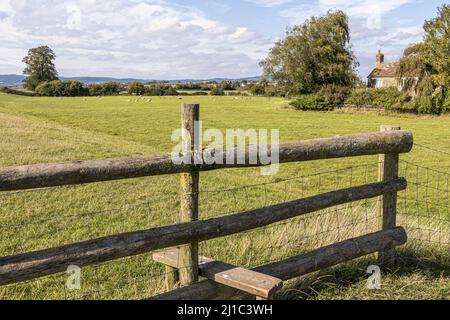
32,265
298,265
79,172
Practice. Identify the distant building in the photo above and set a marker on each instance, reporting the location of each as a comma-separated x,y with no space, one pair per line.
384,74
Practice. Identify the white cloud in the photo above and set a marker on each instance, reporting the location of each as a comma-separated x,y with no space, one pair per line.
146,38
369,10
269,3
299,13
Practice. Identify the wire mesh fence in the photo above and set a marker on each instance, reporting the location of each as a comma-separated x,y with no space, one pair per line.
39,219
287,238
424,207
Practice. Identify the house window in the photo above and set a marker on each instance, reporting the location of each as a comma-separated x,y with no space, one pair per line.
379,83
404,82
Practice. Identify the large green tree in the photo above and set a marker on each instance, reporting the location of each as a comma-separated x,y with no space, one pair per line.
40,66
312,55
425,67
413,67
437,45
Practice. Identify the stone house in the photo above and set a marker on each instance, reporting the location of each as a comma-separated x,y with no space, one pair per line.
383,75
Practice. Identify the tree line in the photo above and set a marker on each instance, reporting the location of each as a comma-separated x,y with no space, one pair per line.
75,88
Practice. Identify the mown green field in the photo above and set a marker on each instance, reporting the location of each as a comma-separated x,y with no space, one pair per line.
36,130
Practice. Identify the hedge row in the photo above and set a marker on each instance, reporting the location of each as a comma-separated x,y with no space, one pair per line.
332,97
392,99
74,88
327,99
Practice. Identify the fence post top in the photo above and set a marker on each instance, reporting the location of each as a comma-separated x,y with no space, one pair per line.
190,105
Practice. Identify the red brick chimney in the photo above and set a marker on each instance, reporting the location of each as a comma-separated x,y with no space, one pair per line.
380,59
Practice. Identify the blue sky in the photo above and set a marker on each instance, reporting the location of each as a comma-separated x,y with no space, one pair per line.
173,39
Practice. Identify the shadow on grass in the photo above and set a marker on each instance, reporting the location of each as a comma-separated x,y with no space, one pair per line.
348,280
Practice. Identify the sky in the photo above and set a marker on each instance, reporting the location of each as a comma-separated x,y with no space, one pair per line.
178,39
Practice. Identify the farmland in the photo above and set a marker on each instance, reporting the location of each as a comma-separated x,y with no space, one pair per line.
38,130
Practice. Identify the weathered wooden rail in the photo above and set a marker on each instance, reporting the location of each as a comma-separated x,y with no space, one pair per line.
183,264
80,172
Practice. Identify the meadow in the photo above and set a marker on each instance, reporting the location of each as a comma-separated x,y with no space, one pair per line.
41,130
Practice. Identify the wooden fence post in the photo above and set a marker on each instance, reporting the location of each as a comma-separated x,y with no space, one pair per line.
172,278
188,256
388,170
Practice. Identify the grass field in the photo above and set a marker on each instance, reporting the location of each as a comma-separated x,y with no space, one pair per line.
36,130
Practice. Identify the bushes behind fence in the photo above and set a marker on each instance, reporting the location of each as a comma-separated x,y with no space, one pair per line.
59,88
105,89
328,98
331,97
312,102
74,88
160,90
386,98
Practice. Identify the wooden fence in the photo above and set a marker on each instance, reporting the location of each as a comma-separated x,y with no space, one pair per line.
183,264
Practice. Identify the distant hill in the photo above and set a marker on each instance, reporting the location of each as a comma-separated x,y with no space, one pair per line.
14,80
214,79
11,80
89,80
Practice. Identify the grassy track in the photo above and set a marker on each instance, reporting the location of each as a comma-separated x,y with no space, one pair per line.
35,130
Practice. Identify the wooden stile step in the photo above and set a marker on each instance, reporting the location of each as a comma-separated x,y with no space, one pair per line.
252,282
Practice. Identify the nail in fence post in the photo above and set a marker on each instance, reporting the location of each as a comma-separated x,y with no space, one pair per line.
188,256
388,170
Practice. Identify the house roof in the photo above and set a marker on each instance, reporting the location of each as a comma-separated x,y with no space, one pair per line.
387,70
